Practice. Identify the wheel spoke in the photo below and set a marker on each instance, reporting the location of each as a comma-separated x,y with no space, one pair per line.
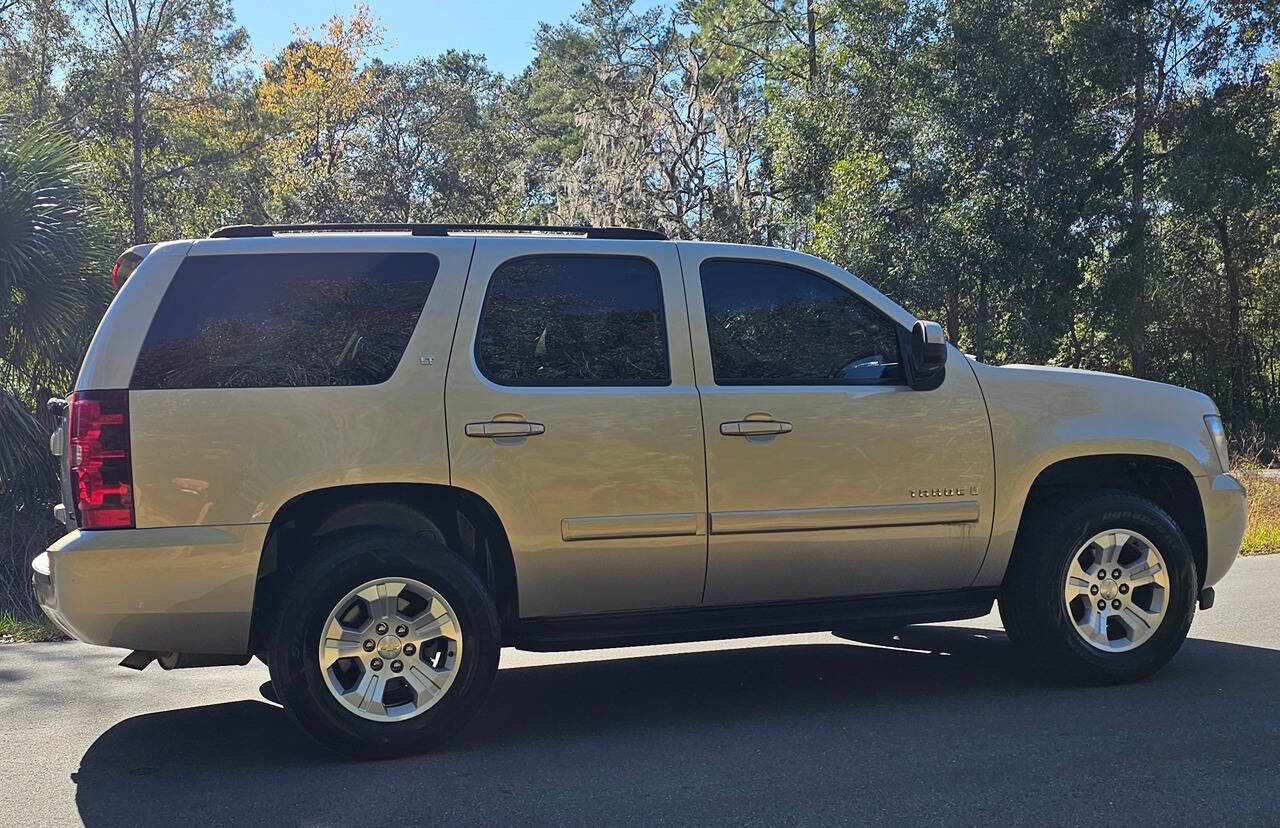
1129,612
1078,585
1115,545
382,599
1147,575
429,629
371,702
422,684
1100,624
345,644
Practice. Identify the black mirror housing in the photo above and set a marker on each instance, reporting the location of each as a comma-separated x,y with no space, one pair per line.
928,354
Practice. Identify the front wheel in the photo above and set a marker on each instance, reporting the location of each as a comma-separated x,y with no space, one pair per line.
1101,588
385,644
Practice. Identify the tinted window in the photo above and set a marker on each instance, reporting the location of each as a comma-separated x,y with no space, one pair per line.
254,321
574,320
773,324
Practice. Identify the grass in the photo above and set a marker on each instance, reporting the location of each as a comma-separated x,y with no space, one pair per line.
14,630
1262,533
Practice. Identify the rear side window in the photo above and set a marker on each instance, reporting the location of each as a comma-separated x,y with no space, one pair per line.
285,320
574,320
771,324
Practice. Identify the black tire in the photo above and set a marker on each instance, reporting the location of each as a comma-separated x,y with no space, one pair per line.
341,564
1032,604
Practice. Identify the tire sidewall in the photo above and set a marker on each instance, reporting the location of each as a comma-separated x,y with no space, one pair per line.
343,564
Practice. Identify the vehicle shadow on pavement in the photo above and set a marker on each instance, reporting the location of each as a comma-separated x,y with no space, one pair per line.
937,723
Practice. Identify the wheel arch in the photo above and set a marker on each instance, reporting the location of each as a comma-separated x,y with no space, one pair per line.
456,517
1162,480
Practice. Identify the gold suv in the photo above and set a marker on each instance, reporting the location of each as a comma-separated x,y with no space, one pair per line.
373,455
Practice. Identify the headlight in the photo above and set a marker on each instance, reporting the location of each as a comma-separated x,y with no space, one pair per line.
1214,423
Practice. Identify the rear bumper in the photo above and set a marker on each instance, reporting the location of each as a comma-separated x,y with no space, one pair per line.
184,589
1225,512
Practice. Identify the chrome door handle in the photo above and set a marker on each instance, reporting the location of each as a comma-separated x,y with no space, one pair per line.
501,428
753,428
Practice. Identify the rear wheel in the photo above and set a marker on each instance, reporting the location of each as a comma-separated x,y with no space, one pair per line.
385,644
1101,588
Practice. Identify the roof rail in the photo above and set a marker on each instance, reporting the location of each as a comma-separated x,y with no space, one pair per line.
249,231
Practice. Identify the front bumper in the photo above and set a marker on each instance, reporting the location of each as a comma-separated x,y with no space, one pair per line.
1226,509
182,589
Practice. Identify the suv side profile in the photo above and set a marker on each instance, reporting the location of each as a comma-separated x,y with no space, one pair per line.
374,455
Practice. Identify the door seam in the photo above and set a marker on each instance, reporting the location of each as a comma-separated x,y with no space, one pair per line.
448,367
702,422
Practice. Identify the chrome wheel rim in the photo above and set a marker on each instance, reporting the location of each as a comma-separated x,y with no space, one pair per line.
390,649
1117,590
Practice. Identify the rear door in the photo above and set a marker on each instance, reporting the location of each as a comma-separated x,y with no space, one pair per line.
571,408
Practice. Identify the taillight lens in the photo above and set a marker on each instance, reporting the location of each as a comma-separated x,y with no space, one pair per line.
124,267
101,471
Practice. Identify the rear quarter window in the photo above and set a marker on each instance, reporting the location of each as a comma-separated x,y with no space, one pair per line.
285,320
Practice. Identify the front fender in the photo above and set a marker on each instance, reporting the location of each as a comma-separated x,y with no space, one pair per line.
1043,416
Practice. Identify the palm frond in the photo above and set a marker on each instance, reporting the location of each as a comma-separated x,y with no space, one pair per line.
53,290
28,474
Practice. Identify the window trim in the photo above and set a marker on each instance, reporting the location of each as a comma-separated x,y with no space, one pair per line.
435,276
900,334
484,371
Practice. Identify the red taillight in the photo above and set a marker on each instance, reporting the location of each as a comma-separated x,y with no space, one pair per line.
101,471
124,267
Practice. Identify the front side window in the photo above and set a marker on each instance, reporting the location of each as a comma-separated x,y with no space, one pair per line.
574,320
772,324
285,320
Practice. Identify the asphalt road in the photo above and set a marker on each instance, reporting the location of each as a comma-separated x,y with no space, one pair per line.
938,726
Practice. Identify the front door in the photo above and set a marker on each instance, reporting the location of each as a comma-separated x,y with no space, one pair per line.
827,475
572,410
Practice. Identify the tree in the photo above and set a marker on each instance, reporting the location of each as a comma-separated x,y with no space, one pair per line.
441,143
316,95
1222,185
34,37
159,88
1175,47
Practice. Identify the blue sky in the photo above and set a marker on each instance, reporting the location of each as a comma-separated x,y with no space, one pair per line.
500,29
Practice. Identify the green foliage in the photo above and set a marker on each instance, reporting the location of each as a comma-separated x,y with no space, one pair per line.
159,90
53,289
15,630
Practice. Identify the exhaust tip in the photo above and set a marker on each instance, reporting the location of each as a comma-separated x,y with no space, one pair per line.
138,659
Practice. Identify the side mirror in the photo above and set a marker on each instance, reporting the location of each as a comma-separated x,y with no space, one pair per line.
928,351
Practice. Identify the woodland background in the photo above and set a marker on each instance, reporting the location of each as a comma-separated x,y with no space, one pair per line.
1088,183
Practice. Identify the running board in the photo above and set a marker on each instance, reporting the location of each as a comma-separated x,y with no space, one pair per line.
744,620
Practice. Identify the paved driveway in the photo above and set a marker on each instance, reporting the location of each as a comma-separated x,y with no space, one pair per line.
939,726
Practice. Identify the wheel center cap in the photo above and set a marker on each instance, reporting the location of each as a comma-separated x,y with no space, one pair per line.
1109,589
389,646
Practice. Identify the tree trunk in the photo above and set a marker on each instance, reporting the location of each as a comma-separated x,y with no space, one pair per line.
1137,202
811,24
953,317
136,182
1236,400
982,325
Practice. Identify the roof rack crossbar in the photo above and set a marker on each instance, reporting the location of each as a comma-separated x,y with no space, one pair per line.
249,231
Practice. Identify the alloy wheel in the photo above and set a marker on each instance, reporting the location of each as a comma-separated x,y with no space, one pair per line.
1116,590
390,649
